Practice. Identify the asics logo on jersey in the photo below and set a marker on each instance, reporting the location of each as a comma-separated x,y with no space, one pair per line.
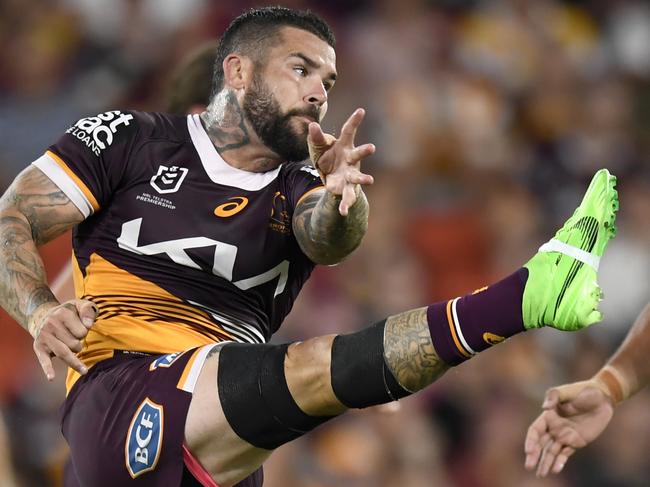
97,132
143,441
232,208
168,179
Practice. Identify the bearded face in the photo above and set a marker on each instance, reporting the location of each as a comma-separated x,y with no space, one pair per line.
272,125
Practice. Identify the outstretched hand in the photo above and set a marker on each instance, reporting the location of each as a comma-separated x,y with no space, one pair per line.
59,333
338,160
574,415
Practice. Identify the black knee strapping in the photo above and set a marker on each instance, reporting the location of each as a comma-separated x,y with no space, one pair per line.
255,397
360,376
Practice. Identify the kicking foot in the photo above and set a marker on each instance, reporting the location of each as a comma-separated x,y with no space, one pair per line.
562,289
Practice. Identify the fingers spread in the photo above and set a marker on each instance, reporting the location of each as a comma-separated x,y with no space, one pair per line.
348,197
315,136
349,130
325,164
356,177
361,152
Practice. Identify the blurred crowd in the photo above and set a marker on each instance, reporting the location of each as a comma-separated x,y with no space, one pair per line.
489,118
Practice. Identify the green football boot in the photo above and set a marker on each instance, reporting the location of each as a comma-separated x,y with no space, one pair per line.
562,289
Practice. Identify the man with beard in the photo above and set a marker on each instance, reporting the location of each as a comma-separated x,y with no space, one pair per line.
191,233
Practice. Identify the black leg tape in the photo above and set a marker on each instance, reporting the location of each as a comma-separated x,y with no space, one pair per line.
255,397
360,376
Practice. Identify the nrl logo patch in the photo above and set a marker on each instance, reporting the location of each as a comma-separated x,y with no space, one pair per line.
144,439
168,179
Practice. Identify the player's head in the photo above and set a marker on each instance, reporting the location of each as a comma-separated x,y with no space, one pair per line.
189,87
280,63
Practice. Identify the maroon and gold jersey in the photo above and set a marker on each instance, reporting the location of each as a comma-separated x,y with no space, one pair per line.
178,248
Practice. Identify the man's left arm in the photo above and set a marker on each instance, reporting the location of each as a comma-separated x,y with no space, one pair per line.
330,223
325,235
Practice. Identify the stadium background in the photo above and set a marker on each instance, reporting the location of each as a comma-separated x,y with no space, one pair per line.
489,119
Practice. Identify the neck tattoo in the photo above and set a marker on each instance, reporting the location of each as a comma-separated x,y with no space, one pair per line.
224,122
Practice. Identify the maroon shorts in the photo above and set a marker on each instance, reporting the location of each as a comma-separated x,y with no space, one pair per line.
125,421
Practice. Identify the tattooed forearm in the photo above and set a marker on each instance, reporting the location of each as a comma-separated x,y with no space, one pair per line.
323,234
409,351
23,285
224,122
32,211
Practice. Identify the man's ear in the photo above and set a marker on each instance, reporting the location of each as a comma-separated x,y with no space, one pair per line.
237,71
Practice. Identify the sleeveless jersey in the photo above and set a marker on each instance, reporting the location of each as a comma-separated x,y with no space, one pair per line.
178,248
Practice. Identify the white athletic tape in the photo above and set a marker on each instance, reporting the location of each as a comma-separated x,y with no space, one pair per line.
578,254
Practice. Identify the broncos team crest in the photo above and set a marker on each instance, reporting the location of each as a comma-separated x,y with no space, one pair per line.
144,439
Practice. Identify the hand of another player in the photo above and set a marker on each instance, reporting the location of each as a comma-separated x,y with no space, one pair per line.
339,161
59,331
574,415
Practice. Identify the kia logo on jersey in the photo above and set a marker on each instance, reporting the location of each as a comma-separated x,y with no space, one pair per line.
168,179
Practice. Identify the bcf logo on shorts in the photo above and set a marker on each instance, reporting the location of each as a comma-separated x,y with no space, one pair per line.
143,442
168,179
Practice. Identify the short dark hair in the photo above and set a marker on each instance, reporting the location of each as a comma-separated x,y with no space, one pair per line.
256,30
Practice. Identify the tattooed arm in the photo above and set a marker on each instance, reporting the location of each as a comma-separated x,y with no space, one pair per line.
330,224
33,211
324,235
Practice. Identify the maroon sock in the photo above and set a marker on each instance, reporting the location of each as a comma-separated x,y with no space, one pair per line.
462,327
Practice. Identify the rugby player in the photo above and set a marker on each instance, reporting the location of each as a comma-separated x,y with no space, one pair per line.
192,238
576,414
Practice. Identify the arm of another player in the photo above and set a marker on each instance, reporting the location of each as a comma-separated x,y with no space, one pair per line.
33,211
330,224
576,414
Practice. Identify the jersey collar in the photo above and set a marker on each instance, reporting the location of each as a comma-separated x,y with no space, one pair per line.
220,171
